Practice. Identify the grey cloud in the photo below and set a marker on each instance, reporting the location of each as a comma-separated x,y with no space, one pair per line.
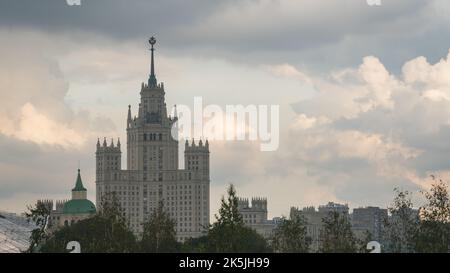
26,167
317,33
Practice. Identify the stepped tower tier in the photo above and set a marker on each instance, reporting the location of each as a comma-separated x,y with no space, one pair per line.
152,175
150,145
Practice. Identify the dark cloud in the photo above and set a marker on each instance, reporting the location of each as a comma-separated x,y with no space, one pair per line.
321,34
120,19
44,170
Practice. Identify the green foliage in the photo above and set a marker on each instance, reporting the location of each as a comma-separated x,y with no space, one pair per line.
235,239
336,235
39,215
401,228
159,233
434,230
195,245
95,235
290,236
228,234
106,232
228,212
362,244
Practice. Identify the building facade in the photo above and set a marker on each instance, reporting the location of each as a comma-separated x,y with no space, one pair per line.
314,219
255,216
369,219
152,174
68,212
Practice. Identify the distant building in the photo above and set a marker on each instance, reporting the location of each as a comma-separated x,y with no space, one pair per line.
255,216
152,175
68,212
314,219
369,219
334,207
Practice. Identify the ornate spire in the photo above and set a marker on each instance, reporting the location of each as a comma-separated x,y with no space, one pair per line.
79,183
152,80
129,116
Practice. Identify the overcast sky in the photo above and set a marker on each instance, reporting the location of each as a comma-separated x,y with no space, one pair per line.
364,91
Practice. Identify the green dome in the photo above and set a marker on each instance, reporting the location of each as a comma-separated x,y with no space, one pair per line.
79,206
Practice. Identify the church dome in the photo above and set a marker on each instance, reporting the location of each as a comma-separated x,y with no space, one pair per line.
79,206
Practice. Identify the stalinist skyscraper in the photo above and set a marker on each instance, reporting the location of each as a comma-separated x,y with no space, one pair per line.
152,173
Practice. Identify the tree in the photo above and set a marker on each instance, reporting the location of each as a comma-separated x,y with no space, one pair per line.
434,230
106,232
229,212
400,229
290,236
159,233
336,235
228,234
39,215
362,243
195,245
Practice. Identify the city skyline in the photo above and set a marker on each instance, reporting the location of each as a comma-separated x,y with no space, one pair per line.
363,101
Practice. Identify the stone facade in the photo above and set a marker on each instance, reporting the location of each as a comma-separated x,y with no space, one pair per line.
255,216
314,219
152,174
369,219
68,212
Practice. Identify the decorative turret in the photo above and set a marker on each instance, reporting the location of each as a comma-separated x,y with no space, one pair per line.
108,158
79,191
254,214
196,158
243,203
60,205
259,203
47,203
129,120
79,203
108,148
199,147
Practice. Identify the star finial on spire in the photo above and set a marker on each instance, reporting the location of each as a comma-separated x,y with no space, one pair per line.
152,80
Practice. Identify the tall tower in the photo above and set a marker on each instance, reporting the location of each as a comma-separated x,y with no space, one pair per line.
196,157
152,175
108,160
150,145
